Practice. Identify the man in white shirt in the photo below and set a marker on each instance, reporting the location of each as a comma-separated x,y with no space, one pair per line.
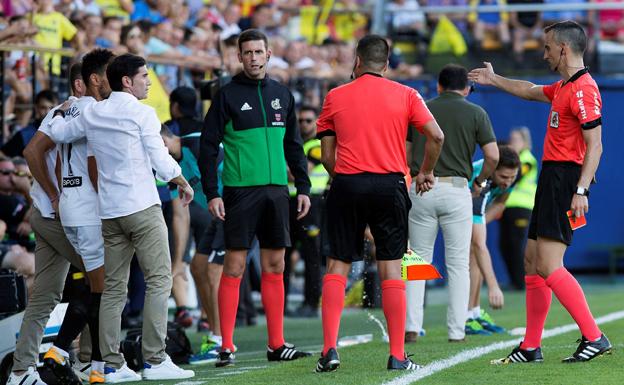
53,254
82,225
124,136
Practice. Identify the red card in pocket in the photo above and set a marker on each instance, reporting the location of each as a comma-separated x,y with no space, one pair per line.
576,222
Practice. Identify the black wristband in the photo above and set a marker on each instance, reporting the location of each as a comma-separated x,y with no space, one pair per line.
60,112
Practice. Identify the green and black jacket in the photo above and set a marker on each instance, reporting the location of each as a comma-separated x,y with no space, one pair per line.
255,120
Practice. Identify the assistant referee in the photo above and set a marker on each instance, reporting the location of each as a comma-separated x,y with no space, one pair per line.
363,130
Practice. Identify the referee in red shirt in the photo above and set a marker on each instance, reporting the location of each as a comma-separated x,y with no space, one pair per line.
363,131
572,150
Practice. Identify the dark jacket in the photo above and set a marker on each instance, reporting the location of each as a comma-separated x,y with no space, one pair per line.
255,120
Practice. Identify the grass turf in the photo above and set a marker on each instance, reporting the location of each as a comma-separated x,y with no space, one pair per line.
365,363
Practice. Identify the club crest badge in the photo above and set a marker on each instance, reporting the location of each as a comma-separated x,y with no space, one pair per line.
275,103
554,119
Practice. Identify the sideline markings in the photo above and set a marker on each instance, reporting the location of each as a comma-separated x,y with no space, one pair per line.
470,354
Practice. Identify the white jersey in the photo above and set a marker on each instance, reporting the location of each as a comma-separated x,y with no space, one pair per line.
79,200
41,201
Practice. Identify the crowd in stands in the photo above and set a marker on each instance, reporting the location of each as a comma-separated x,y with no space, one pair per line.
189,42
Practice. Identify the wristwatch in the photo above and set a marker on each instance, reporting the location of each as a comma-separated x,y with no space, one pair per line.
582,191
480,184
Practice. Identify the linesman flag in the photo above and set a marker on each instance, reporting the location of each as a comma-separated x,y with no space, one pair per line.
415,268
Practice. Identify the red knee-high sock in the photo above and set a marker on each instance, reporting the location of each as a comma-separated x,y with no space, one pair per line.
394,308
228,304
571,296
331,309
538,299
272,291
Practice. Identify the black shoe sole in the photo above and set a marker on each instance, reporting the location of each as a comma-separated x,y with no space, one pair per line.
64,374
219,364
272,359
608,351
331,366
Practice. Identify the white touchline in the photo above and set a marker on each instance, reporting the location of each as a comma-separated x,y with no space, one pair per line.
471,354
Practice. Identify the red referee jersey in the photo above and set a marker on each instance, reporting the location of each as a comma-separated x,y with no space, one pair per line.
575,105
369,118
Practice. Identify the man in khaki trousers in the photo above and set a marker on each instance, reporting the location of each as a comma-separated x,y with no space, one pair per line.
124,136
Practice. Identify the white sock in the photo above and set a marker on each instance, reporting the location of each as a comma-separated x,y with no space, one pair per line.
63,352
476,312
97,366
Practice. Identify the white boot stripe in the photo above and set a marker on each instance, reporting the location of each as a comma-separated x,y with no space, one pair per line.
592,348
522,357
589,352
584,356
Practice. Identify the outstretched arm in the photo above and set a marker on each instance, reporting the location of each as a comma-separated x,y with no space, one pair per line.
520,88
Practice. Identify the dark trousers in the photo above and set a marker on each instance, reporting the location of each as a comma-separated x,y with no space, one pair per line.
514,226
305,235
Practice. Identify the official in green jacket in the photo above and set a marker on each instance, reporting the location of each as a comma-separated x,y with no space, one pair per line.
254,117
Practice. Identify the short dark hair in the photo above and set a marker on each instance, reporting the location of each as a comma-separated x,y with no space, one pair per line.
251,35
453,77
125,30
569,32
507,158
373,51
75,73
95,62
307,107
123,65
165,131
48,95
108,19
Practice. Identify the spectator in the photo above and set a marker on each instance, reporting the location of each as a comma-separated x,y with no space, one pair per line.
148,10
261,19
13,205
92,26
490,28
111,33
611,23
405,19
230,20
116,8
44,101
526,26
54,29
551,17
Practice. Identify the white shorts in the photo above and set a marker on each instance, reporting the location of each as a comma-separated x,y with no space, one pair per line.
88,243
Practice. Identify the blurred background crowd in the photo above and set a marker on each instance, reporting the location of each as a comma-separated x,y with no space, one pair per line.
191,41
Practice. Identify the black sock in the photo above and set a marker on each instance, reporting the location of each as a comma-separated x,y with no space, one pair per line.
94,326
76,314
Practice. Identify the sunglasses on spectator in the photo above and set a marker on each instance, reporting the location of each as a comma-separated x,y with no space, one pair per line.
306,120
7,172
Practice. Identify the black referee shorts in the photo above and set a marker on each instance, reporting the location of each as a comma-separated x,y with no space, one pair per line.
380,201
260,211
555,188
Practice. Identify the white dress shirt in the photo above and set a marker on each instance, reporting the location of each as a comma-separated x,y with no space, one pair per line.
124,136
